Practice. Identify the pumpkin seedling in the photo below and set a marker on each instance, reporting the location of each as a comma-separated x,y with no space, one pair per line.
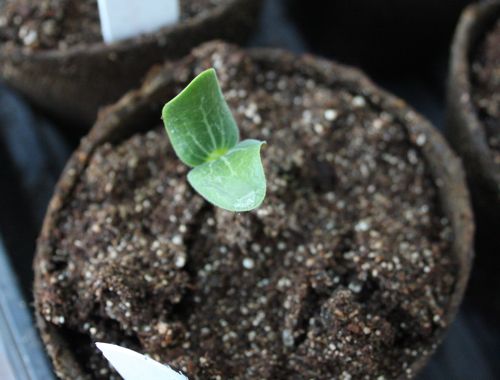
204,135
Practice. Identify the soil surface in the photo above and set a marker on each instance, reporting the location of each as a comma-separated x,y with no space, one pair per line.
486,87
344,272
61,24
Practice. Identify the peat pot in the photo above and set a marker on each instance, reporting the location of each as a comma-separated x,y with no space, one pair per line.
354,265
72,77
473,105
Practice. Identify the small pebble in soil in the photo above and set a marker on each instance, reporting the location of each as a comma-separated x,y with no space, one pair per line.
248,263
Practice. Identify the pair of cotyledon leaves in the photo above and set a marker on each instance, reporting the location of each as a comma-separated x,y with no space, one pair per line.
204,135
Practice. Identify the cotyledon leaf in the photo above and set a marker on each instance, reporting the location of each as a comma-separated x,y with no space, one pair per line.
199,122
234,181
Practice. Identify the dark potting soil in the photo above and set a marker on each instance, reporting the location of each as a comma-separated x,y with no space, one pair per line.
344,272
486,87
60,24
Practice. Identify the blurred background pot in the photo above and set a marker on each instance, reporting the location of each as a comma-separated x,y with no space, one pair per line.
385,37
466,126
138,111
73,83
474,134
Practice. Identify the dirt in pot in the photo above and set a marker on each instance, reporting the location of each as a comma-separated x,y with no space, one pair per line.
61,24
344,272
486,87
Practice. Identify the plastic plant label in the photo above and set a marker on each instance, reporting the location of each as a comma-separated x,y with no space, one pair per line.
134,366
121,19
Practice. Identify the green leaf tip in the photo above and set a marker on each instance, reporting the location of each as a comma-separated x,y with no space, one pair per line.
199,122
204,135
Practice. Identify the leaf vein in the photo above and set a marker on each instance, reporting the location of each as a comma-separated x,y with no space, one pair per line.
207,124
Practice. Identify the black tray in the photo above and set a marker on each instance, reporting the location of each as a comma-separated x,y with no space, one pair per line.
33,153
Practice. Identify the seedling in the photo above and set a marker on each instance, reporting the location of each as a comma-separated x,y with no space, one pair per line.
205,136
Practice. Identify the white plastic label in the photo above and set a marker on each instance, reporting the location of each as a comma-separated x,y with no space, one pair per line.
134,366
122,19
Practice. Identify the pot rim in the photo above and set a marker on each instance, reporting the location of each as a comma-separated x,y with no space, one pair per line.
114,123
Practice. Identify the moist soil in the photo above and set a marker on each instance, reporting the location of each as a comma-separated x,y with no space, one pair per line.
486,87
344,272
61,24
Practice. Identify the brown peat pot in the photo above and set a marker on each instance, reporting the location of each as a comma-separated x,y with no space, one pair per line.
467,127
355,264
73,83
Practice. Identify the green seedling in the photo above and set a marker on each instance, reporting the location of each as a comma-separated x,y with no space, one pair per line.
205,137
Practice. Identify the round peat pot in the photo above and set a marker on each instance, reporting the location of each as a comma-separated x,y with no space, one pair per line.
72,83
473,132
354,265
386,37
